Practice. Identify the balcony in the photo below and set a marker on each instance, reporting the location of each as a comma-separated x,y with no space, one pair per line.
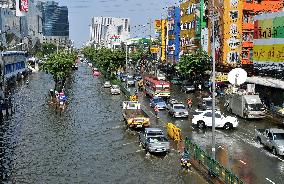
247,44
248,26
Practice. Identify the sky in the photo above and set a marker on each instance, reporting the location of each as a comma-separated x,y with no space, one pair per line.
140,12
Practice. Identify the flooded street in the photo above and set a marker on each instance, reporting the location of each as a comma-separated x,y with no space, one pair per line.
89,143
237,150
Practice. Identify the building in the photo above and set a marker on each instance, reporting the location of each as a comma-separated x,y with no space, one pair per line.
233,30
55,27
173,34
109,31
250,9
187,25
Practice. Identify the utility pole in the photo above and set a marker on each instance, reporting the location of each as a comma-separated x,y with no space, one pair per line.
126,61
213,18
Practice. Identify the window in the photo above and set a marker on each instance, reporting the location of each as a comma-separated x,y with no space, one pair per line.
269,135
278,136
208,114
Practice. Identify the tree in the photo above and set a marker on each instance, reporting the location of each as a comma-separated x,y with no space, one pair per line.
194,65
60,66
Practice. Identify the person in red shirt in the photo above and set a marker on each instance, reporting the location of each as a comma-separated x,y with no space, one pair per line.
156,109
189,103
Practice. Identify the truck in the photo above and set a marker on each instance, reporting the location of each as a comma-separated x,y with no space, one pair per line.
273,138
134,116
246,105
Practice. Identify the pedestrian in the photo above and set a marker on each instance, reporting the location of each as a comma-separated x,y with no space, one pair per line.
156,109
189,102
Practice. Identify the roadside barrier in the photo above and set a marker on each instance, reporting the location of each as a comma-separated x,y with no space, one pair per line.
133,98
174,132
213,166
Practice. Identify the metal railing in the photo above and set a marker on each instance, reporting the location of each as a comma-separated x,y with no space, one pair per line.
213,166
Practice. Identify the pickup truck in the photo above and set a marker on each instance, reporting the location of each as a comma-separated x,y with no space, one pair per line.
154,140
273,138
134,116
177,109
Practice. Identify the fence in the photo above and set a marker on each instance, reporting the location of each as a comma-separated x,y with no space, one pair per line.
213,166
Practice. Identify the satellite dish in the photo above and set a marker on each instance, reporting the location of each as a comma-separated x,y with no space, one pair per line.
237,76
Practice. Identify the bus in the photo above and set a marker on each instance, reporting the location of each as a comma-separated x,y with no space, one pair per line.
155,87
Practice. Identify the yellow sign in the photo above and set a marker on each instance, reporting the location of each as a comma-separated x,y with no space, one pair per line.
221,77
154,49
133,98
265,53
157,25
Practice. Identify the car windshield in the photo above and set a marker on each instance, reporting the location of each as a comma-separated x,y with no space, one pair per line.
278,136
256,107
157,100
154,133
208,103
157,139
179,106
163,88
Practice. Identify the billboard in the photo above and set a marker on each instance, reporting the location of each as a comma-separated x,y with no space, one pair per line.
158,24
22,7
269,40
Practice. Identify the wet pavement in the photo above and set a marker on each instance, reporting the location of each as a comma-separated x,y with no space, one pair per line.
237,149
88,143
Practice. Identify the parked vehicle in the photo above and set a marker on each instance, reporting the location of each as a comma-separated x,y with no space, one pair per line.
176,80
188,87
206,104
130,80
154,140
134,116
161,76
154,87
115,90
177,109
107,84
203,119
273,138
246,105
159,101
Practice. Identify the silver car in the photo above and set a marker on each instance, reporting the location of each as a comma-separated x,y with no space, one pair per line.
177,109
115,90
154,140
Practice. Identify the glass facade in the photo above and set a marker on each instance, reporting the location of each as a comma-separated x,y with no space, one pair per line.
55,19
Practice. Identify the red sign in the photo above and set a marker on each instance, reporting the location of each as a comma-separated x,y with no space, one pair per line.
24,5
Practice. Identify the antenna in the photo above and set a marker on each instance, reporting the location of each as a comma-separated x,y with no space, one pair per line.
237,76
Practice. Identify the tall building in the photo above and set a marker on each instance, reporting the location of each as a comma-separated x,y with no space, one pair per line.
233,29
173,32
55,23
250,9
109,31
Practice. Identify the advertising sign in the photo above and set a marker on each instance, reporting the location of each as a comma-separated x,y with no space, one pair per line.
24,5
154,49
158,25
269,40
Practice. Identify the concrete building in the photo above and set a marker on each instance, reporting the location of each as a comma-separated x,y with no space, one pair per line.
233,30
109,31
55,23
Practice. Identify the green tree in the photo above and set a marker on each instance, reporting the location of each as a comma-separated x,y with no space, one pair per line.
60,66
194,65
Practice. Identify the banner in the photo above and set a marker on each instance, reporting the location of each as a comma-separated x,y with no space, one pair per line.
154,49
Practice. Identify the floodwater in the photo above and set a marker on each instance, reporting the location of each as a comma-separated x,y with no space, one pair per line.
88,143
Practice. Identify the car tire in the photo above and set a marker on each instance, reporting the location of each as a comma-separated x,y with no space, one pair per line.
258,139
201,124
228,126
274,151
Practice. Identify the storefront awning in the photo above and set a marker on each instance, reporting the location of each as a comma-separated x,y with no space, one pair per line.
266,81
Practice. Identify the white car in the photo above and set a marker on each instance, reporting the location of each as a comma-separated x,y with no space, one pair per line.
203,119
107,84
161,77
115,90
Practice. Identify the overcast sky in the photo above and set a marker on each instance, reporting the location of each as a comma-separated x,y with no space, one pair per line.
139,11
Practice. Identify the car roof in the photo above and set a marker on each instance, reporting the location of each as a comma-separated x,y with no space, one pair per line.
276,130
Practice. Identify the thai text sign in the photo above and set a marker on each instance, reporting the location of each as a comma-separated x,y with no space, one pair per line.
269,39
24,5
